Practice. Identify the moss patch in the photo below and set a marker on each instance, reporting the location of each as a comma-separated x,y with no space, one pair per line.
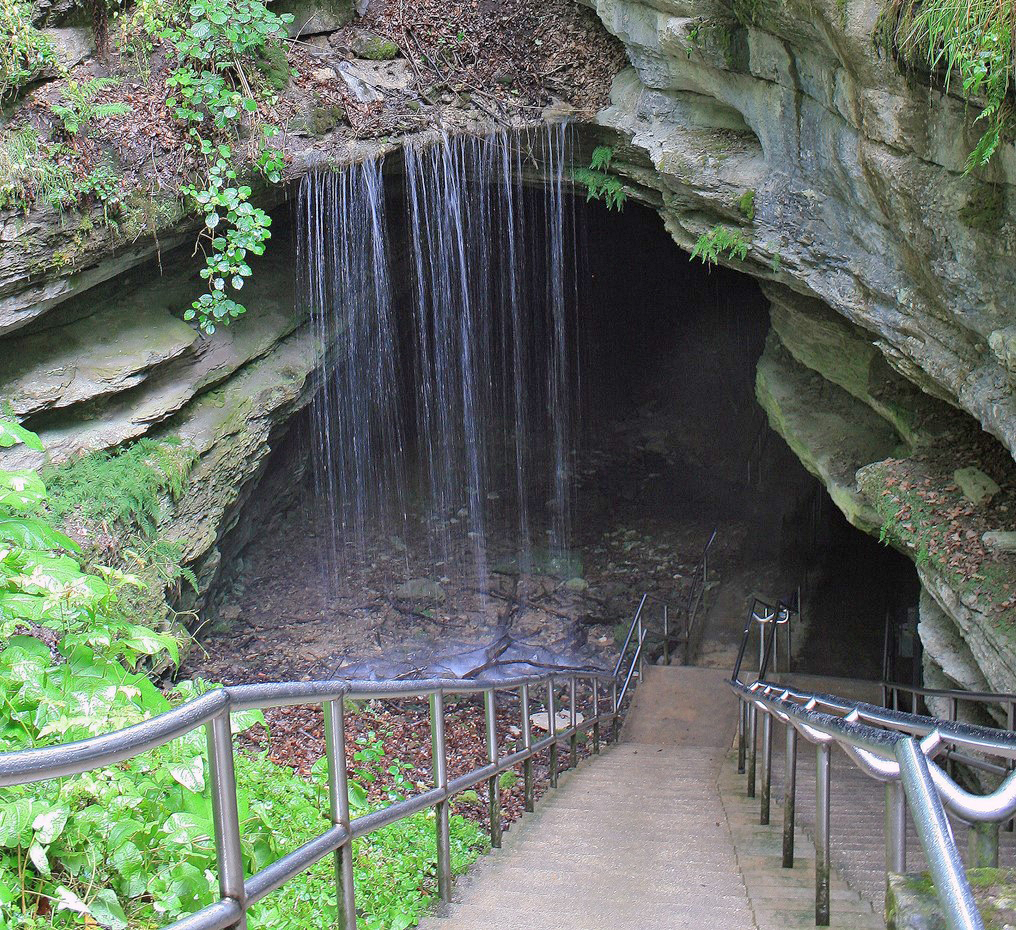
275,68
985,209
912,903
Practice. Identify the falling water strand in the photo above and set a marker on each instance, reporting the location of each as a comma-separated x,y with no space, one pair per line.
457,392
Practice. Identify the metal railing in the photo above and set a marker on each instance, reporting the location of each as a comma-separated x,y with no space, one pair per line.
768,620
238,892
893,747
671,633
696,596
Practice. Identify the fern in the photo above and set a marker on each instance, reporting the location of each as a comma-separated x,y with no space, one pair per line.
599,184
719,240
78,108
601,158
124,488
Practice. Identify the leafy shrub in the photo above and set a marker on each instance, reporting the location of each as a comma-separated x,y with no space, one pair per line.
600,185
24,51
711,245
219,45
131,845
969,42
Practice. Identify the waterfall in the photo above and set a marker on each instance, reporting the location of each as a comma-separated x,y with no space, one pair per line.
445,311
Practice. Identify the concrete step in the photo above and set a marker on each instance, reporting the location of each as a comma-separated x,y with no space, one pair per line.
654,834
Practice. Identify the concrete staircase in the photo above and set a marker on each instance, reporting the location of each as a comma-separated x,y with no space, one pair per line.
656,833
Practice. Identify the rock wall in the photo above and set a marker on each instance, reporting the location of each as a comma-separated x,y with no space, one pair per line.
891,272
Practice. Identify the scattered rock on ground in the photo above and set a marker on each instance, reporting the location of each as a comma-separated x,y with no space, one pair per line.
420,589
976,486
1002,540
373,47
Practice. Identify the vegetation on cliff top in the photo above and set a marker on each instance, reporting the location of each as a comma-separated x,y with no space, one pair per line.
970,43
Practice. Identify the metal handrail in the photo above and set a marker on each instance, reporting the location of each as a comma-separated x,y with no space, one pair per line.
212,711
893,747
780,612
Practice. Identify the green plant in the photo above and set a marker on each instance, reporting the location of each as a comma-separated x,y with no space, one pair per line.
719,240
218,46
78,108
970,42
104,186
124,487
24,51
130,846
31,171
600,184
118,500
747,205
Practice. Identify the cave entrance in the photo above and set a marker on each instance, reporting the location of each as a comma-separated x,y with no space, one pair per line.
665,444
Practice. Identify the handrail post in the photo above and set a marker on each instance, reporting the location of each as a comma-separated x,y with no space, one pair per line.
614,713
752,750
944,862
225,814
639,652
950,766
440,763
552,725
742,742
573,743
767,768
789,797
982,846
596,715
528,786
338,800
493,785
666,637
1010,725
822,835
895,828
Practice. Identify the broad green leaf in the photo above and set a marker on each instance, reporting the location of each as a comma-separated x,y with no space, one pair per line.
34,534
37,853
21,491
11,434
190,774
50,824
106,910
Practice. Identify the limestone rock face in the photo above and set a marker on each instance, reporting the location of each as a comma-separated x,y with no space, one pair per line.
890,272
857,175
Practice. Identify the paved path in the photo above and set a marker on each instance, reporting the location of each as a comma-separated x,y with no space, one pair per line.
656,833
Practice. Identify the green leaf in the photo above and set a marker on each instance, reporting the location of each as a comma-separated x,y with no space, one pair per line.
12,433
106,910
34,534
48,825
21,491
190,774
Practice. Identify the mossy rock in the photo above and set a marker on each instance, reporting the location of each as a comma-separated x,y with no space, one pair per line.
373,47
912,903
985,208
274,65
324,118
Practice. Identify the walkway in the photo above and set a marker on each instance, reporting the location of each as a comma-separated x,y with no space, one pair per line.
656,833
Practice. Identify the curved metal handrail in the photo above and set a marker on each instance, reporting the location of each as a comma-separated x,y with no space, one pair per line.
894,747
213,709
